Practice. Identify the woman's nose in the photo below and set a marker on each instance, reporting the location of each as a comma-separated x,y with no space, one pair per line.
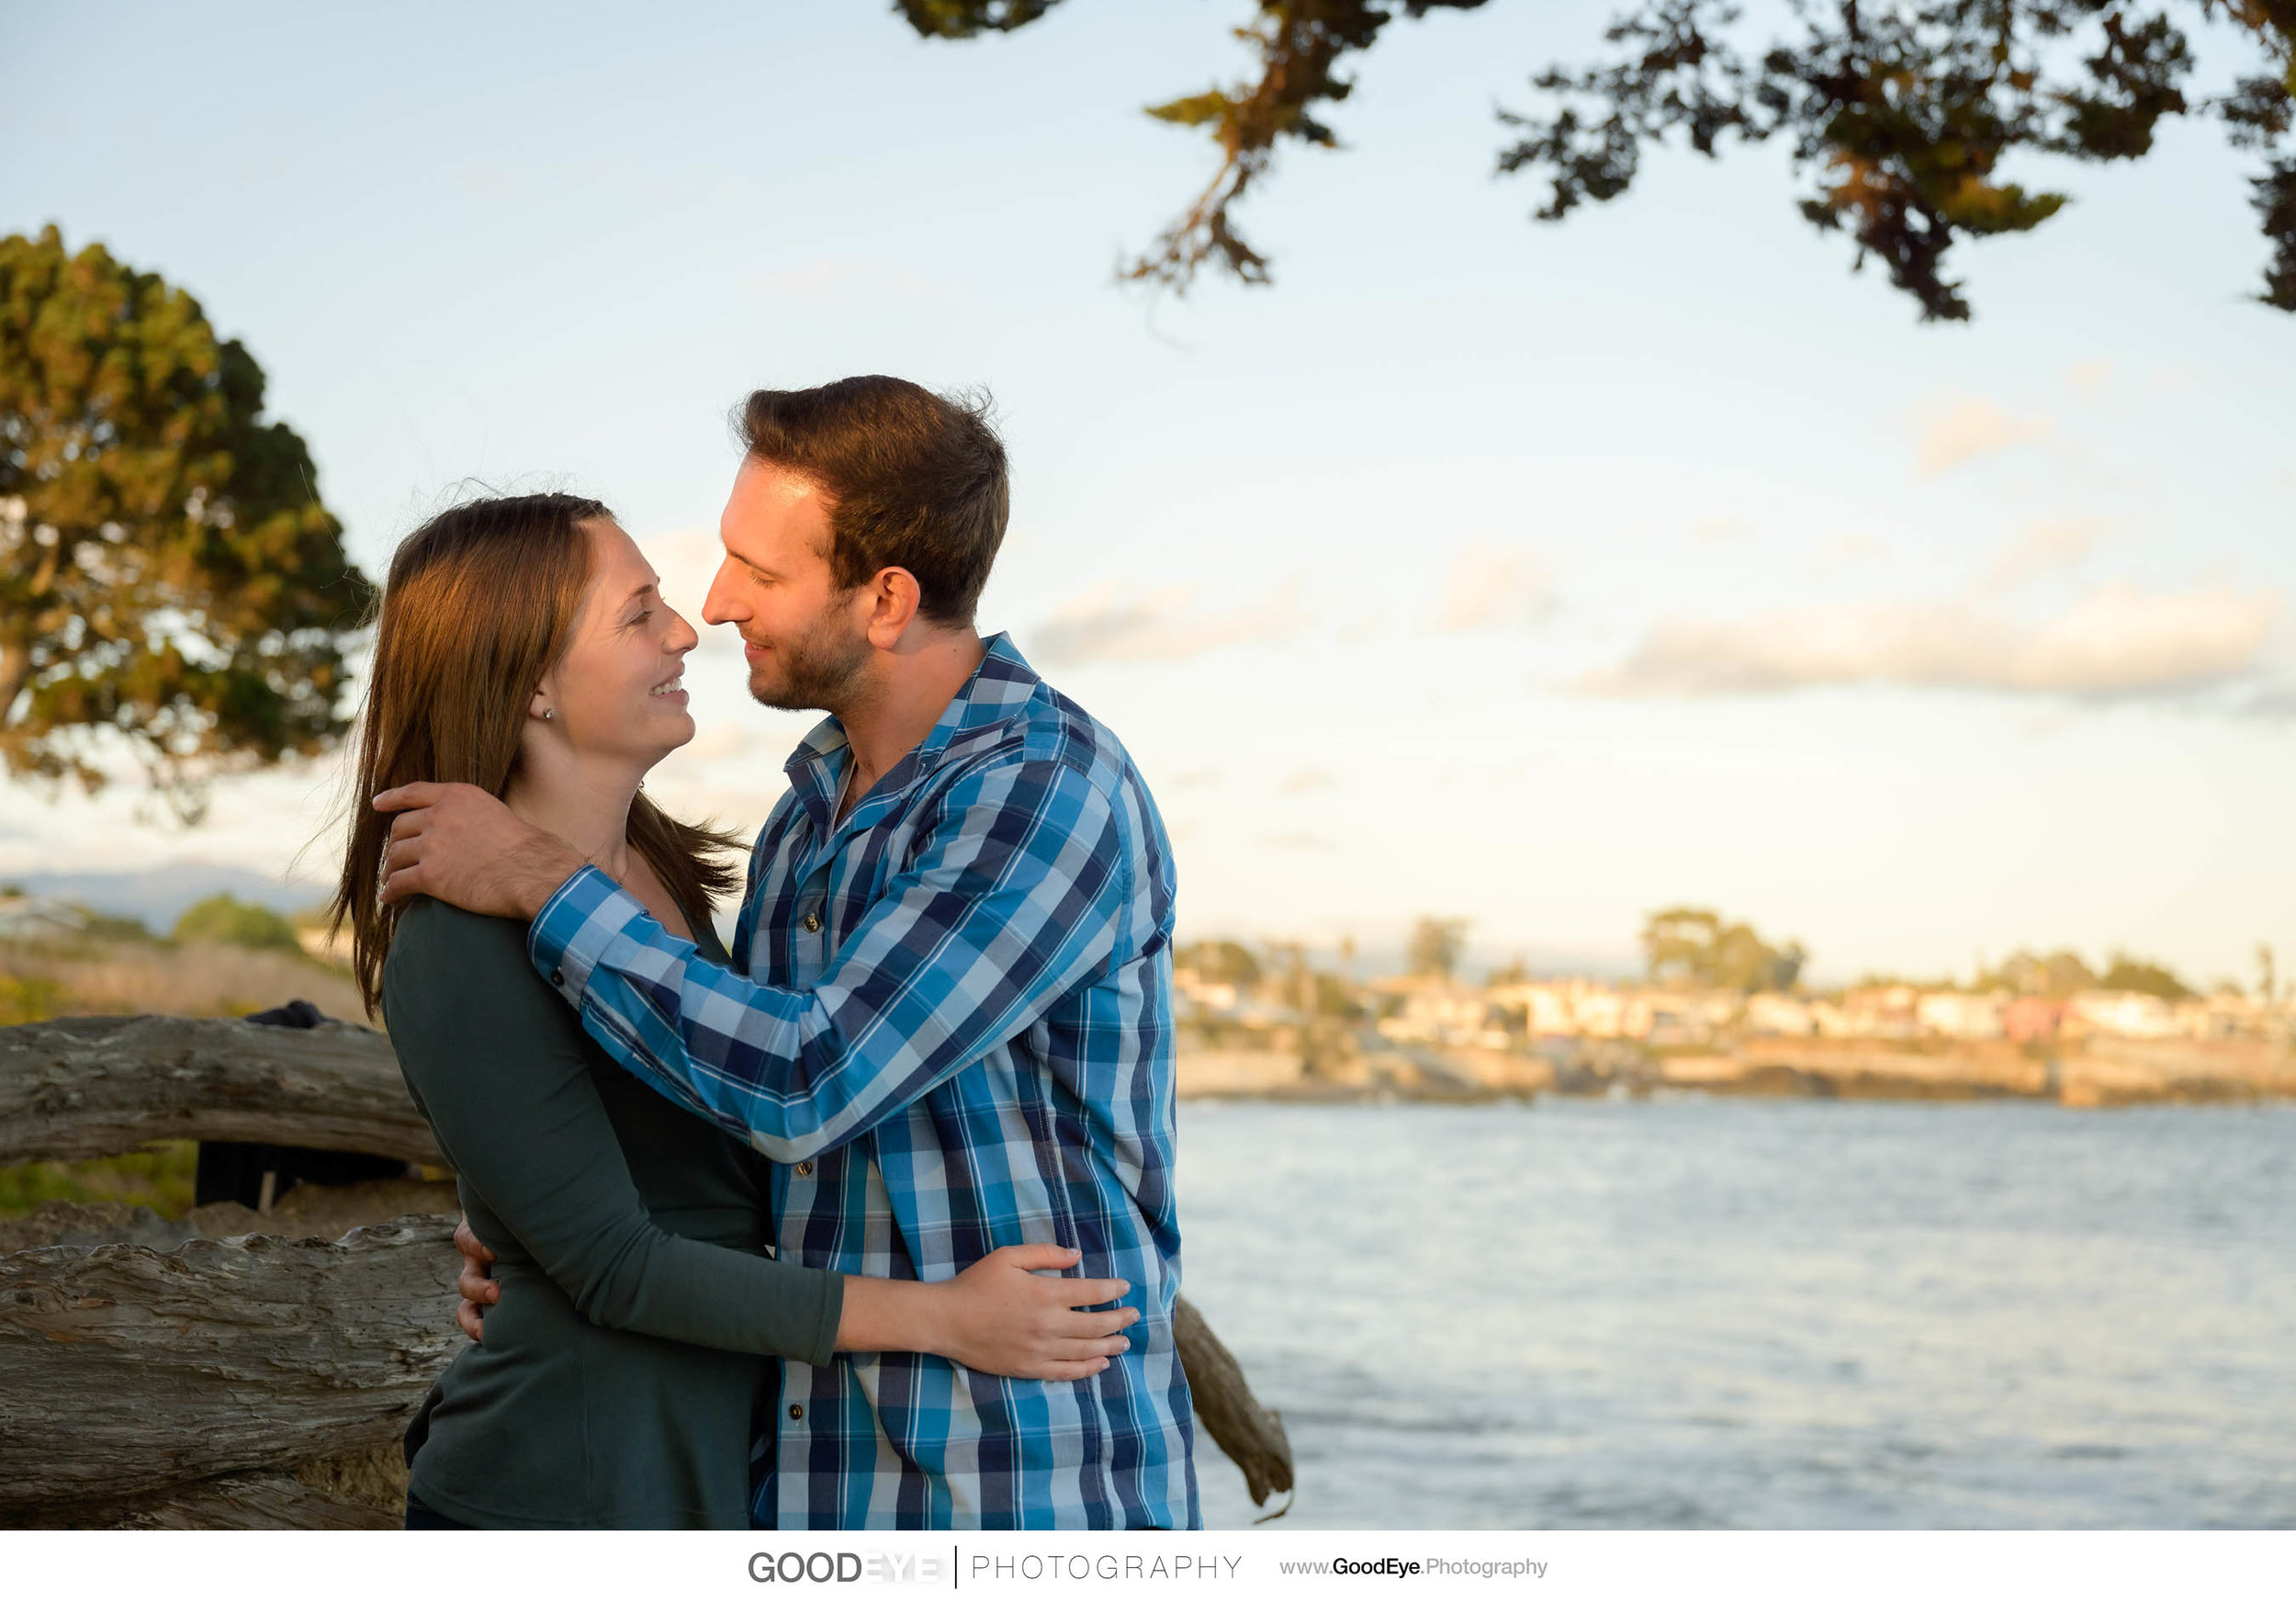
681,637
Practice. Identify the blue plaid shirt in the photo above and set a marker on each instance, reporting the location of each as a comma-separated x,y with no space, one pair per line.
949,1022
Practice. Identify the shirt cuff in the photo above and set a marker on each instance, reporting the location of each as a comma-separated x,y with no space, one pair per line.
574,927
826,1320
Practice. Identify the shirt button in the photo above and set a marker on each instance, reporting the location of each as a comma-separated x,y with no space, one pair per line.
796,1410
813,923
804,1170
557,976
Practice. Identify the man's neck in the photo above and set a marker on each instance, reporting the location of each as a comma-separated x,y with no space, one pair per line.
906,694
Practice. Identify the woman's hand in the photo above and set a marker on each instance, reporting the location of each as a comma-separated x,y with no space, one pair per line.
997,1316
476,1281
1004,1319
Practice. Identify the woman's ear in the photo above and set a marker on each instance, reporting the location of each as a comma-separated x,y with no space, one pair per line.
538,706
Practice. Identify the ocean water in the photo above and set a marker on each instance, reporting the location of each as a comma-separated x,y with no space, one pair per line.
1755,1313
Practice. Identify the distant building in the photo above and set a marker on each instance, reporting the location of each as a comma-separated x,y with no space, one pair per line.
1882,1013
2230,1015
2031,1017
1434,1014
1776,1014
1216,997
1544,1006
1957,1015
2126,1013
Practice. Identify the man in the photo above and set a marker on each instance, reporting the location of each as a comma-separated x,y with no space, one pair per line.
949,1014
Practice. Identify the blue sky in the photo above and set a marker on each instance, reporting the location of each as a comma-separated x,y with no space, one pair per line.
1536,575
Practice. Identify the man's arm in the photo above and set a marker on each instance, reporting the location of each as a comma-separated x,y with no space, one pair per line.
1016,896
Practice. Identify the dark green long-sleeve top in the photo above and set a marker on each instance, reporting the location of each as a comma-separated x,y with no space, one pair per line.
626,1366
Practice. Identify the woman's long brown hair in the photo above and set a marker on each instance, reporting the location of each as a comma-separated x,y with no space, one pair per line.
478,606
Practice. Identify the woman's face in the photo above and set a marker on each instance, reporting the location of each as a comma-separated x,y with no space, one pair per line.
617,692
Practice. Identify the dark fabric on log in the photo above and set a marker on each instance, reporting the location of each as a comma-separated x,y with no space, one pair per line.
623,1228
233,1170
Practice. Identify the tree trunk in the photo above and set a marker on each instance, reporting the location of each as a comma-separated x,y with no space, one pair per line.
96,1086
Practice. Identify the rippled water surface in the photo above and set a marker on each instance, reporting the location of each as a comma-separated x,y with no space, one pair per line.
1756,1313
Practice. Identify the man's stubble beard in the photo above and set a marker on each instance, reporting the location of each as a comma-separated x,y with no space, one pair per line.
820,669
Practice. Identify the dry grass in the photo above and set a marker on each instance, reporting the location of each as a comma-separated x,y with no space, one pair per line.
159,1177
185,981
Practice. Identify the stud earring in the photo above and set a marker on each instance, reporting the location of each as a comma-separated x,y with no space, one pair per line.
547,715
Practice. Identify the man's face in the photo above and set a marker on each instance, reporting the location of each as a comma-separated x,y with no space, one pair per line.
805,641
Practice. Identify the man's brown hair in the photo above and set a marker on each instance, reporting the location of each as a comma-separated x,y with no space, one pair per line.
915,480
480,604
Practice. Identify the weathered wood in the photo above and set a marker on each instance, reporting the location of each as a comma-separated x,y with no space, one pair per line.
1250,1434
126,1372
95,1087
267,1499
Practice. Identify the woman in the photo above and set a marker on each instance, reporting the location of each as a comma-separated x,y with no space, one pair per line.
524,647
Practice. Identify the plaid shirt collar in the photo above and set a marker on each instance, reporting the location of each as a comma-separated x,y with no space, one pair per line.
998,690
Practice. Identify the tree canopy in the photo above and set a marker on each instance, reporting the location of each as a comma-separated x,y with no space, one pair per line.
1695,945
1435,946
2063,973
224,919
1902,115
1221,962
170,581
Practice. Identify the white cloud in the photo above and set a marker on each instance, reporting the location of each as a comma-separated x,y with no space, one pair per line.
1487,588
1304,780
2041,549
1971,429
2116,642
1840,553
1106,626
2089,377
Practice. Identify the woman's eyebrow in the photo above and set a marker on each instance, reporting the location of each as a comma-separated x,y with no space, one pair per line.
640,593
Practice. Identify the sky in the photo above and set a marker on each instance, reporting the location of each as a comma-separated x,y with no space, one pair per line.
1536,575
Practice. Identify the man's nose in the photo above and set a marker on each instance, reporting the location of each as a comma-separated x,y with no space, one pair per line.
717,605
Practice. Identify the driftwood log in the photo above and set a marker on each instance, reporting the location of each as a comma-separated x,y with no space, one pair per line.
96,1086
249,1383
1250,1434
126,1373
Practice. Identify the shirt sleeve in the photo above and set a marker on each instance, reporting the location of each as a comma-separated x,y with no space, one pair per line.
1014,895
506,1088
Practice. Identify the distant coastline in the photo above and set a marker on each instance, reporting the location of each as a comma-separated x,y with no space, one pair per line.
2097,1073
